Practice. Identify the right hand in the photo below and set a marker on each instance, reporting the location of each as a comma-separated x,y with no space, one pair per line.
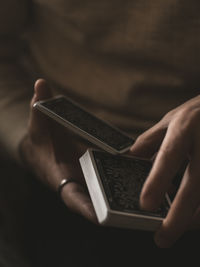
53,154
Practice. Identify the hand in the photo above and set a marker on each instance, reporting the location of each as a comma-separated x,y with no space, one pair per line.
175,139
53,154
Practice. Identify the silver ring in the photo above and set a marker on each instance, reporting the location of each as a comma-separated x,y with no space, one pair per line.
63,183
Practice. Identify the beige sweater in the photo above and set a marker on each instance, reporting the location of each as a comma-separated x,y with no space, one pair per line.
129,61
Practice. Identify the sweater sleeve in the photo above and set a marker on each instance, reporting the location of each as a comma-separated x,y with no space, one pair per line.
15,84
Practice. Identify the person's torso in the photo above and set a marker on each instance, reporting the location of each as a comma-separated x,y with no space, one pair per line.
131,60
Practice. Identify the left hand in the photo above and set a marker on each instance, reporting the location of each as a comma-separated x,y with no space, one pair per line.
52,153
175,139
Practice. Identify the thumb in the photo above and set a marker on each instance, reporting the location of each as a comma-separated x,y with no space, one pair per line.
41,91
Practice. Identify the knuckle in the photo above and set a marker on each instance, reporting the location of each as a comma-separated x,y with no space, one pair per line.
187,118
192,115
140,138
165,152
195,115
169,115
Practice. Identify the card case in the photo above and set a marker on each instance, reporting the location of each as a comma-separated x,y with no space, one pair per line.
114,183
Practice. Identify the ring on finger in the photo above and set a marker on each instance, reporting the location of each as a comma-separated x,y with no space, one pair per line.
63,183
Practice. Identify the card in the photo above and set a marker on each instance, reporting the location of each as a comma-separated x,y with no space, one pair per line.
122,179
85,124
115,183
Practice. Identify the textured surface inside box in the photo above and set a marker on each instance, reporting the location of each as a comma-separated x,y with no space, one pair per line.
89,123
122,179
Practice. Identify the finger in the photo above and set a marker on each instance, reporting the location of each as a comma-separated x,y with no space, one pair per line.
41,92
77,199
147,144
167,163
183,208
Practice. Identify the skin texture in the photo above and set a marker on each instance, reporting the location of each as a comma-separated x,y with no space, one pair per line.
52,153
175,139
